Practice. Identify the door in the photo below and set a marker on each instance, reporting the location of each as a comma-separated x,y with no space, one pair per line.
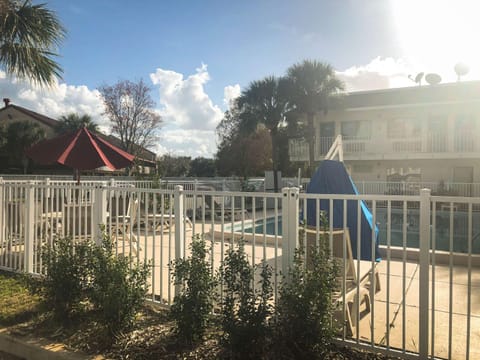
327,136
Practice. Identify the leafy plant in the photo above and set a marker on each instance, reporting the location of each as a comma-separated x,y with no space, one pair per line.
67,278
304,311
192,306
245,309
118,287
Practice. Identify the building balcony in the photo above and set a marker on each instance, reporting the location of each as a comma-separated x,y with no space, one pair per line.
433,145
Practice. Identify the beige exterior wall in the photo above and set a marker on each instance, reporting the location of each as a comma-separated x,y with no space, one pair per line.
11,115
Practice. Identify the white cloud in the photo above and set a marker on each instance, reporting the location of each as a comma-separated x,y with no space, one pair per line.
382,73
187,142
183,101
189,114
230,93
58,100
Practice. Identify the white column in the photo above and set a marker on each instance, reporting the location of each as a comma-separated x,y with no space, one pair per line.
424,272
179,227
290,213
29,219
99,215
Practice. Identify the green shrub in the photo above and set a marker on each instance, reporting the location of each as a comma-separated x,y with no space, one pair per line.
67,278
304,327
118,288
245,309
191,308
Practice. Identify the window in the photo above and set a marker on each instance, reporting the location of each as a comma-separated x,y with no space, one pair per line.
403,128
356,130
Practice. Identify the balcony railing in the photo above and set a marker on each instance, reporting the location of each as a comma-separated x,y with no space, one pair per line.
431,143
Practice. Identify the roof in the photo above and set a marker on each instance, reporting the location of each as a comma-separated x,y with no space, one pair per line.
42,118
116,141
458,92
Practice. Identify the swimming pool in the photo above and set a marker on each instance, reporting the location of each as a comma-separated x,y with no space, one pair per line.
442,231
270,226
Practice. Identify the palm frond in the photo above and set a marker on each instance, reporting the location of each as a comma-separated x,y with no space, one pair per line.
29,36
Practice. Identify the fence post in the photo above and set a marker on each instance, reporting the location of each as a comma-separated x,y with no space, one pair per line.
424,272
99,215
290,215
179,227
2,218
29,226
47,188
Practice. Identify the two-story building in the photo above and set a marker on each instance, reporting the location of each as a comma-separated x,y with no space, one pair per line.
422,133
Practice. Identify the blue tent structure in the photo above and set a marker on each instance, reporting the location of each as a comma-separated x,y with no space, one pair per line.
331,177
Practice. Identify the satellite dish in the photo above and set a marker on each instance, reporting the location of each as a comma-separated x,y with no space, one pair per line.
461,69
433,79
417,79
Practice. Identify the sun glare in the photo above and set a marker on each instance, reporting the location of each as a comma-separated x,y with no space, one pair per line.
439,33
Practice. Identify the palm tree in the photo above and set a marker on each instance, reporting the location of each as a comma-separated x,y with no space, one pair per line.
314,84
28,35
265,102
18,137
73,122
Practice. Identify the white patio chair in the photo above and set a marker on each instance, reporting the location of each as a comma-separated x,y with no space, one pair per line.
357,285
122,226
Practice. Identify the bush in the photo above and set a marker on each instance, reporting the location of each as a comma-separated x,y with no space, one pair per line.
245,310
118,288
192,307
67,278
305,307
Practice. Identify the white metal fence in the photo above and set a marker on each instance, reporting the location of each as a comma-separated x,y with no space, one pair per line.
420,301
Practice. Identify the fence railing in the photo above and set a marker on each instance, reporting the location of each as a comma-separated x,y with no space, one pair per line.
418,301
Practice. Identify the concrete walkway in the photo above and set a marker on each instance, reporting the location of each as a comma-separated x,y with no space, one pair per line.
394,316
450,331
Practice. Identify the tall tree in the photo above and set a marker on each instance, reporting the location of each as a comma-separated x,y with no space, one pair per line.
265,102
29,34
202,167
241,153
313,86
72,122
129,107
173,166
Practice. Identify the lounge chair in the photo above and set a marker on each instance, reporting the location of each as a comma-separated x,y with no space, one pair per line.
161,222
213,208
77,220
357,285
121,226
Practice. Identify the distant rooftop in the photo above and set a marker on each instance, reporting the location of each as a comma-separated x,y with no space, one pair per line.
458,92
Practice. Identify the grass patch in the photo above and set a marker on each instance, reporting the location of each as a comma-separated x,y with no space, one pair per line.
16,302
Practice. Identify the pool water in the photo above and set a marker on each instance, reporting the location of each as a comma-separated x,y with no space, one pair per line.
268,225
442,233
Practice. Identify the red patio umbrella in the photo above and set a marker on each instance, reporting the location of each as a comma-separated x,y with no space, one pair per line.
80,150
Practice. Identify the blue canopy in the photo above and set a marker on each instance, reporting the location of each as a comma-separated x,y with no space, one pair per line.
331,177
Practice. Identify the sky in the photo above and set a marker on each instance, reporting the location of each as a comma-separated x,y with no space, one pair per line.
199,55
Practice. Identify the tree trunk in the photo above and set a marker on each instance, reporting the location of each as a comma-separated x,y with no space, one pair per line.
311,144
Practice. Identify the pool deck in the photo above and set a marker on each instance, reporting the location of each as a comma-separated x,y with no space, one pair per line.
394,316
450,290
